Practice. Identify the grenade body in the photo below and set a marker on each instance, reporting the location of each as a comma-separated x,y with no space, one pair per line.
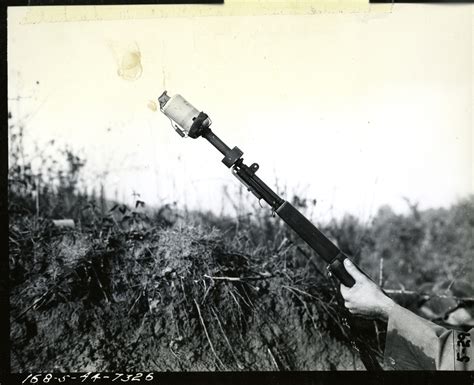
181,112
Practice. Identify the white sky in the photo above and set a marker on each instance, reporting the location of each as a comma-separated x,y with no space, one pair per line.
355,110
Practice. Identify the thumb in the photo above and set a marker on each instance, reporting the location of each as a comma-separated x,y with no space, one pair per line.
353,270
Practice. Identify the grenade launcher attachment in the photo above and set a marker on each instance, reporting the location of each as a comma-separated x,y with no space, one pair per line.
188,121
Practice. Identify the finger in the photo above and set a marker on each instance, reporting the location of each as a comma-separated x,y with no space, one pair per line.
344,290
353,270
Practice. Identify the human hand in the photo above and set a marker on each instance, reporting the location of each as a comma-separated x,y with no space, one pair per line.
365,297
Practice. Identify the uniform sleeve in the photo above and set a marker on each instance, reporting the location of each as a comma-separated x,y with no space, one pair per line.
414,343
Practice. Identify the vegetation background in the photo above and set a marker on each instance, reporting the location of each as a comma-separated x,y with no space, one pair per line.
134,288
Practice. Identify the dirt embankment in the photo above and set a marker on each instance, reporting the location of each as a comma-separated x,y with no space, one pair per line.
175,299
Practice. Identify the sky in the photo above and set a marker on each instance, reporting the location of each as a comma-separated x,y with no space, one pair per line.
356,110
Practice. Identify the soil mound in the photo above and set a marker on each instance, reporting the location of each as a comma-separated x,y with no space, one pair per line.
176,298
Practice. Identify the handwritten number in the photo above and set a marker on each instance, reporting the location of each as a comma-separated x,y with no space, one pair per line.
463,358
33,379
85,376
465,344
137,376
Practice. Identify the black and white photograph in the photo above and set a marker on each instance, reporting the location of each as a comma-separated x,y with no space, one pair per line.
239,187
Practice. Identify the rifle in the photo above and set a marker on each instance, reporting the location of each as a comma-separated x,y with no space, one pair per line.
190,122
